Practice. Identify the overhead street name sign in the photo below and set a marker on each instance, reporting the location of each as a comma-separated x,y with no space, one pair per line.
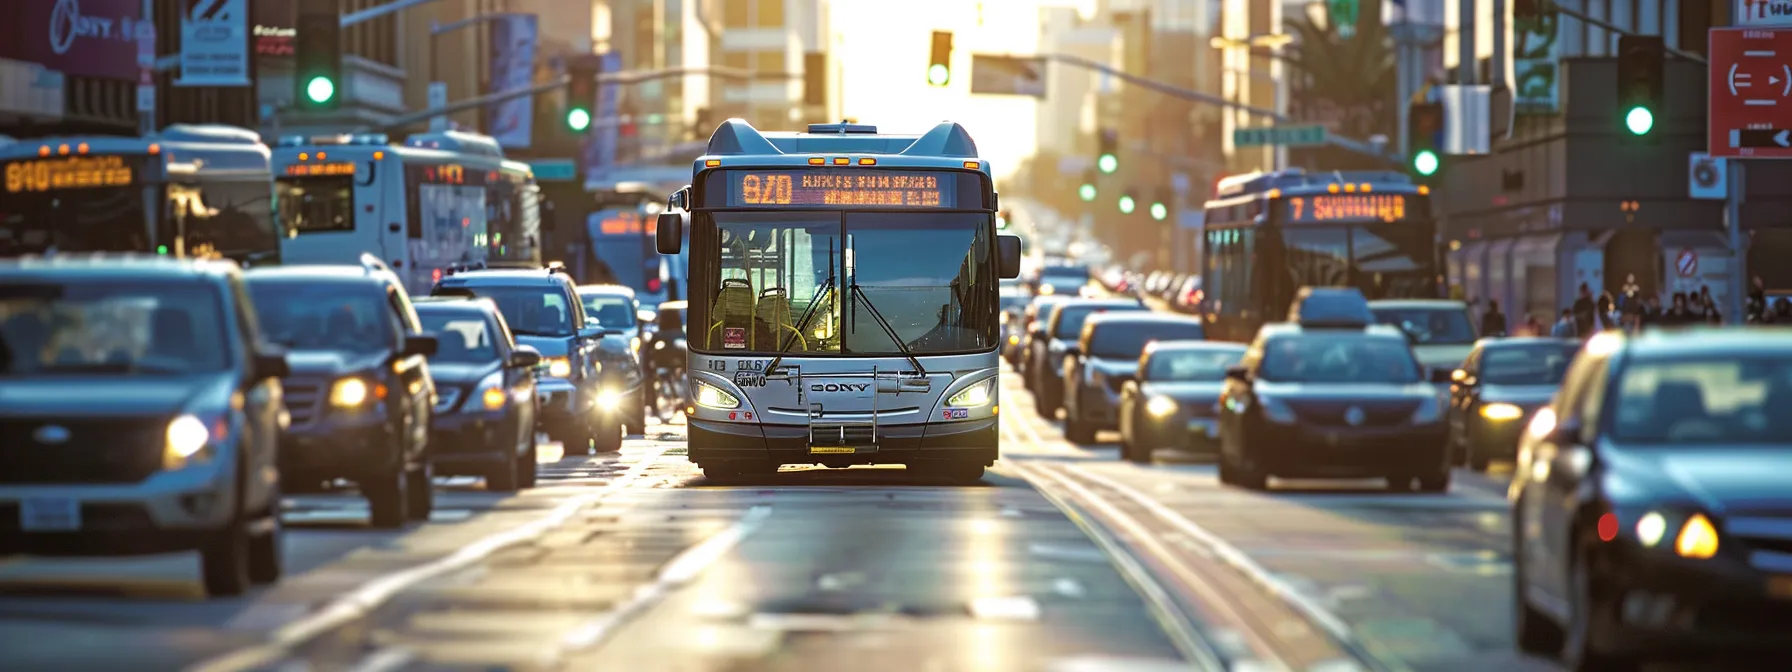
1008,75
1284,136
1751,93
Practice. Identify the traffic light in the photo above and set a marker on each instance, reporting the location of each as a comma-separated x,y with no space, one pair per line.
1424,139
317,57
1087,192
1639,82
939,68
1160,207
1127,203
1108,156
815,78
581,93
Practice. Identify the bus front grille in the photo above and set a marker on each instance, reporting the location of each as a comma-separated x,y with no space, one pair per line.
843,434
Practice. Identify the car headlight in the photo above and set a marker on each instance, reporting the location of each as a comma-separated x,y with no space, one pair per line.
1501,412
349,393
1161,407
975,395
634,344
1697,538
1014,339
710,396
659,345
1429,411
1047,290
558,367
608,400
491,392
1056,346
1003,317
1275,410
1651,528
185,441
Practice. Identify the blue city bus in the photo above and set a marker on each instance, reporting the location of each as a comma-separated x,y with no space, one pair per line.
844,297
1266,235
623,248
188,191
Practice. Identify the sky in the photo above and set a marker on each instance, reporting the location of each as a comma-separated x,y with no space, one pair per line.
884,47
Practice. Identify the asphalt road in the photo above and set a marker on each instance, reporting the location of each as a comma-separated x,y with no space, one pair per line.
1062,559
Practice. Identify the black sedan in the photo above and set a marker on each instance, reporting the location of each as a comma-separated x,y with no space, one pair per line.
1333,403
1174,401
1501,384
484,422
1100,363
1651,510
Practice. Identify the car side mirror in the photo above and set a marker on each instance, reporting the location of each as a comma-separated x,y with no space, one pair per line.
1008,256
668,233
1238,372
420,345
525,357
270,363
1566,433
1442,376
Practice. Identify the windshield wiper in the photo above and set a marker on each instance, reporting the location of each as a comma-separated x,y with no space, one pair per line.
814,302
859,296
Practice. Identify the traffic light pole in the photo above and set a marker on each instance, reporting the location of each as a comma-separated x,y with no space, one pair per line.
623,77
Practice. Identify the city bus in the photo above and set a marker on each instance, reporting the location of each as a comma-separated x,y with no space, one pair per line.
437,203
1266,235
622,245
191,190
844,298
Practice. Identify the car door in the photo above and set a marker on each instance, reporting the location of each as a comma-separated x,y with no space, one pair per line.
587,348
519,382
1550,501
262,404
1463,393
412,371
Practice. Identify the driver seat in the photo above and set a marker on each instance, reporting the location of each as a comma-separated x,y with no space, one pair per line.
734,309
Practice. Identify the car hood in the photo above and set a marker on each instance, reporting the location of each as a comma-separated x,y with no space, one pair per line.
112,396
1525,396
548,346
1442,356
461,373
1722,479
1114,366
311,363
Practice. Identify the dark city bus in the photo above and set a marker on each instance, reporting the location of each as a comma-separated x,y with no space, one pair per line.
622,245
1266,235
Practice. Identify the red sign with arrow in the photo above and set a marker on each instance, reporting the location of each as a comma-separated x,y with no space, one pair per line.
1751,93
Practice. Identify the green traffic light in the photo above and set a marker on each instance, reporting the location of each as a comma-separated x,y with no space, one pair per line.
161,249
1425,162
1108,163
1127,205
320,89
1159,211
578,119
1639,120
938,75
1087,192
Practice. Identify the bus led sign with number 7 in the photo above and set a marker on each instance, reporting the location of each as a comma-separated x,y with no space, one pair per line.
1346,208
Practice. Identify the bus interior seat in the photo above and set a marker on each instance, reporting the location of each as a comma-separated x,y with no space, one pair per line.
734,307
774,311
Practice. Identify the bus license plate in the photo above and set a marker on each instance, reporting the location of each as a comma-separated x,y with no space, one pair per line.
49,515
832,450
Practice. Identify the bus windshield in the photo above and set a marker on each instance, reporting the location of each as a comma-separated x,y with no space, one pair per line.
105,219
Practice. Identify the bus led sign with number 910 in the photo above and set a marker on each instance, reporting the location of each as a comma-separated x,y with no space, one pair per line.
74,172
865,188
1344,208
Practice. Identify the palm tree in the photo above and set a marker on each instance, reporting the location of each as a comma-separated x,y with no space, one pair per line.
1347,83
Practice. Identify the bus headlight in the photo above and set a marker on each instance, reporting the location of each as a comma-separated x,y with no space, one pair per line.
558,367
710,396
1160,407
975,395
348,393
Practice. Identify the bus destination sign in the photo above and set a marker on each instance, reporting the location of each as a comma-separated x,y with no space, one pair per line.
864,188
67,172
317,169
1345,208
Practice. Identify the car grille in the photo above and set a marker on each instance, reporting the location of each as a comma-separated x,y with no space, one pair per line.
1331,413
97,451
304,401
447,398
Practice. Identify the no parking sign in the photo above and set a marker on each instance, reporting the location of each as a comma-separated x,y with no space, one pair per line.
1687,263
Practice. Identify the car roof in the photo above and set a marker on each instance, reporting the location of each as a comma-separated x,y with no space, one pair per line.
105,266
1101,303
1141,317
503,278
675,305
1431,304
1708,341
462,305
1196,346
1521,341
610,290
317,273
1292,329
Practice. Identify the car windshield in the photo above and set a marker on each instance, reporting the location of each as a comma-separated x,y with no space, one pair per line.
111,328
1707,400
462,338
1338,358
1127,340
307,315
1430,326
612,312
531,310
1192,365
1534,364
1074,315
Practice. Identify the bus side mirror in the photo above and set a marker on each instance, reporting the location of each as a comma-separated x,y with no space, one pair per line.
668,233
1008,256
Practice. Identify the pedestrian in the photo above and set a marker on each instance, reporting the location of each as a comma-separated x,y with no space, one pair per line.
1564,327
1608,314
1757,308
1583,312
1712,315
1531,326
1679,314
1493,322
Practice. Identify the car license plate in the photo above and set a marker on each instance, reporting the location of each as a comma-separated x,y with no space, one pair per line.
1780,587
49,515
832,450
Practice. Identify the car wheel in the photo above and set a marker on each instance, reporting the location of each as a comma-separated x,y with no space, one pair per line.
387,499
605,437
420,488
1590,617
525,476
1478,460
1249,478
503,476
224,561
266,549
1536,633
1437,481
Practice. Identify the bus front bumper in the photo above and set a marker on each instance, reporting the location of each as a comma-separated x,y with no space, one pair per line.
960,442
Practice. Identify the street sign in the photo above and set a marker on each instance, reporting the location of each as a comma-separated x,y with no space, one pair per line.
553,170
1751,93
436,97
1706,177
1758,13
1283,136
1008,75
1687,263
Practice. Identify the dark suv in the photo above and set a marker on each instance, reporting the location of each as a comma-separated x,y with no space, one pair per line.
140,415
359,393
1105,358
545,313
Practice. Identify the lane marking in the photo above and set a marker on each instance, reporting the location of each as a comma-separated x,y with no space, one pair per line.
361,601
1238,560
1006,608
1178,626
681,570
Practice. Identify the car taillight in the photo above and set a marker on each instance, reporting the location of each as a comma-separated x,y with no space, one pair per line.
653,284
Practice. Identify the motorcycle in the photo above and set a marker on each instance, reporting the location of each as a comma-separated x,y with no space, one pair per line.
671,386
